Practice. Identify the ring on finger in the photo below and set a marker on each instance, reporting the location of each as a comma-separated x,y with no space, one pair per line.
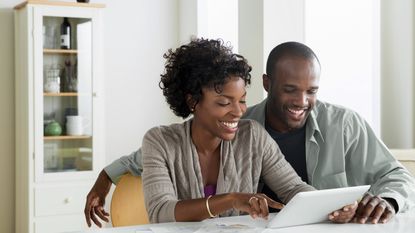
252,198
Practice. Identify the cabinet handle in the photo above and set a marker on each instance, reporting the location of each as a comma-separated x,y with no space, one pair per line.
67,200
94,94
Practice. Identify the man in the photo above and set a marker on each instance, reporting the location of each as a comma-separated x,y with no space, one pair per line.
328,146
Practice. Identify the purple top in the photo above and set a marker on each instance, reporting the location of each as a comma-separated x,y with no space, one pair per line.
210,190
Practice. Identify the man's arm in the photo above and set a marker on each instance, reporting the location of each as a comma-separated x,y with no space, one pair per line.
131,163
370,162
95,201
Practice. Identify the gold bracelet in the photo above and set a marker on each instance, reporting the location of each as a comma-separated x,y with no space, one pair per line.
207,207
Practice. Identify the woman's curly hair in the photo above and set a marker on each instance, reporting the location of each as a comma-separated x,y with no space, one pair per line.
199,64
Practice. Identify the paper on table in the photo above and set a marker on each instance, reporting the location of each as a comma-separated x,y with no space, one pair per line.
245,220
219,225
176,227
228,228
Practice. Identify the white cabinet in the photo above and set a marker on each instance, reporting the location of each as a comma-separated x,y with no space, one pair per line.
59,113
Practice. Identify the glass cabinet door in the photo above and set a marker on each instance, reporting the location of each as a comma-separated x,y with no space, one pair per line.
67,95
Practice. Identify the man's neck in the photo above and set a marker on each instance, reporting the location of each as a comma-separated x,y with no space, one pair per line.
274,123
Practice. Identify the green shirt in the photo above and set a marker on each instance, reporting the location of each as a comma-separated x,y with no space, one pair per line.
342,150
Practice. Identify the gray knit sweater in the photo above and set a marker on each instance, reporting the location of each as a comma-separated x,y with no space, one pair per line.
171,169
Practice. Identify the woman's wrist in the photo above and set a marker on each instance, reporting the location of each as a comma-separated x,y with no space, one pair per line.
233,198
208,207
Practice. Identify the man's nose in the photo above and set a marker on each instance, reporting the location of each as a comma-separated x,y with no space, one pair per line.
301,99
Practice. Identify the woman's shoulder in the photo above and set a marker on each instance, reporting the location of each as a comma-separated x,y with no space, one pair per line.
250,130
250,126
167,133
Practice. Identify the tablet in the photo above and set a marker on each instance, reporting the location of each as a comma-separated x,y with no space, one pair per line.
315,206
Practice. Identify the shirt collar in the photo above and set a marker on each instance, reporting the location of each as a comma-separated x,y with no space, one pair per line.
312,125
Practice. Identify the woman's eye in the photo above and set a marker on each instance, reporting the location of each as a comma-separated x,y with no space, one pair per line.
242,102
223,104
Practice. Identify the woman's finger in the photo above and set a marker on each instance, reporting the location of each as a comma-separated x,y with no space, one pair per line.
253,202
274,204
263,205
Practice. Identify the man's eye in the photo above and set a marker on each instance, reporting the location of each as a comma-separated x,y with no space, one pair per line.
312,92
242,102
289,90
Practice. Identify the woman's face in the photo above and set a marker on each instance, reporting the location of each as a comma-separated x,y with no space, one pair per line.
218,114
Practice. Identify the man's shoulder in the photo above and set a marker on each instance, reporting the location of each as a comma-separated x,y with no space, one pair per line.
332,112
256,112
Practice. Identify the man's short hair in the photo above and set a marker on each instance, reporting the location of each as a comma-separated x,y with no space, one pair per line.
292,49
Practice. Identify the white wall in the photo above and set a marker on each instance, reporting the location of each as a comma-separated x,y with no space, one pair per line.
136,34
251,44
133,64
348,49
263,24
219,19
398,85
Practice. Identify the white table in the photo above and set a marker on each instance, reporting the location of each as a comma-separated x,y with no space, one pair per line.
401,223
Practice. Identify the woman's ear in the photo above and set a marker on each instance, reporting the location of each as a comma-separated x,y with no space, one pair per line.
191,103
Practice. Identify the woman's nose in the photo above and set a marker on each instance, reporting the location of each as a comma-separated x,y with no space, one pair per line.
238,110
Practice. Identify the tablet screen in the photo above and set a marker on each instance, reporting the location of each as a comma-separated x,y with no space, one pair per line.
315,206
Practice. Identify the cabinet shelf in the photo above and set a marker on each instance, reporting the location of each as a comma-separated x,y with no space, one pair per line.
60,51
66,137
61,94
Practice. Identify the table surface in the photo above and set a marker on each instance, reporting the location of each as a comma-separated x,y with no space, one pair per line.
401,223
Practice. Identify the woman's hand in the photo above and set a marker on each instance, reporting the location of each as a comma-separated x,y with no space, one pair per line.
345,214
255,205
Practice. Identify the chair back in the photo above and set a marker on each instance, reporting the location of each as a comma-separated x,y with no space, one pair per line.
127,203
406,157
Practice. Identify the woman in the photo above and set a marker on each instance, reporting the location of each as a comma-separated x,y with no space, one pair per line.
210,165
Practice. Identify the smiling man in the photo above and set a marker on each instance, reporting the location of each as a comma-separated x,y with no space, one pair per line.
329,146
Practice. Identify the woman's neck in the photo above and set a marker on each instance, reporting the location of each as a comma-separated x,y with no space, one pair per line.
205,143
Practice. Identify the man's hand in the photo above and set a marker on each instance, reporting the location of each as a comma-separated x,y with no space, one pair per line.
345,214
95,200
374,209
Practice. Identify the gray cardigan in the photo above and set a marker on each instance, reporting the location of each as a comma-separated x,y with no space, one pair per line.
171,169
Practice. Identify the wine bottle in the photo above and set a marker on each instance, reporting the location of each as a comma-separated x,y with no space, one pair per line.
65,34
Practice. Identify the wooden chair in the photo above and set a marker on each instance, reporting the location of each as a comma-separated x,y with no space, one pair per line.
406,157
127,203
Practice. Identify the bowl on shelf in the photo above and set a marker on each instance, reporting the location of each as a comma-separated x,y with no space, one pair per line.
53,129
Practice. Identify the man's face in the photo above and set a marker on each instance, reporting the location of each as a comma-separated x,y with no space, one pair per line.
292,90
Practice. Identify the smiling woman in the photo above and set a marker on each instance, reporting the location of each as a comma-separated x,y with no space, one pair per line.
211,164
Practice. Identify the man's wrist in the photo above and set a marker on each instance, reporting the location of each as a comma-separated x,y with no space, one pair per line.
393,203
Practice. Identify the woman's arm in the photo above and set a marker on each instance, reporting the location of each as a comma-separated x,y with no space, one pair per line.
255,205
